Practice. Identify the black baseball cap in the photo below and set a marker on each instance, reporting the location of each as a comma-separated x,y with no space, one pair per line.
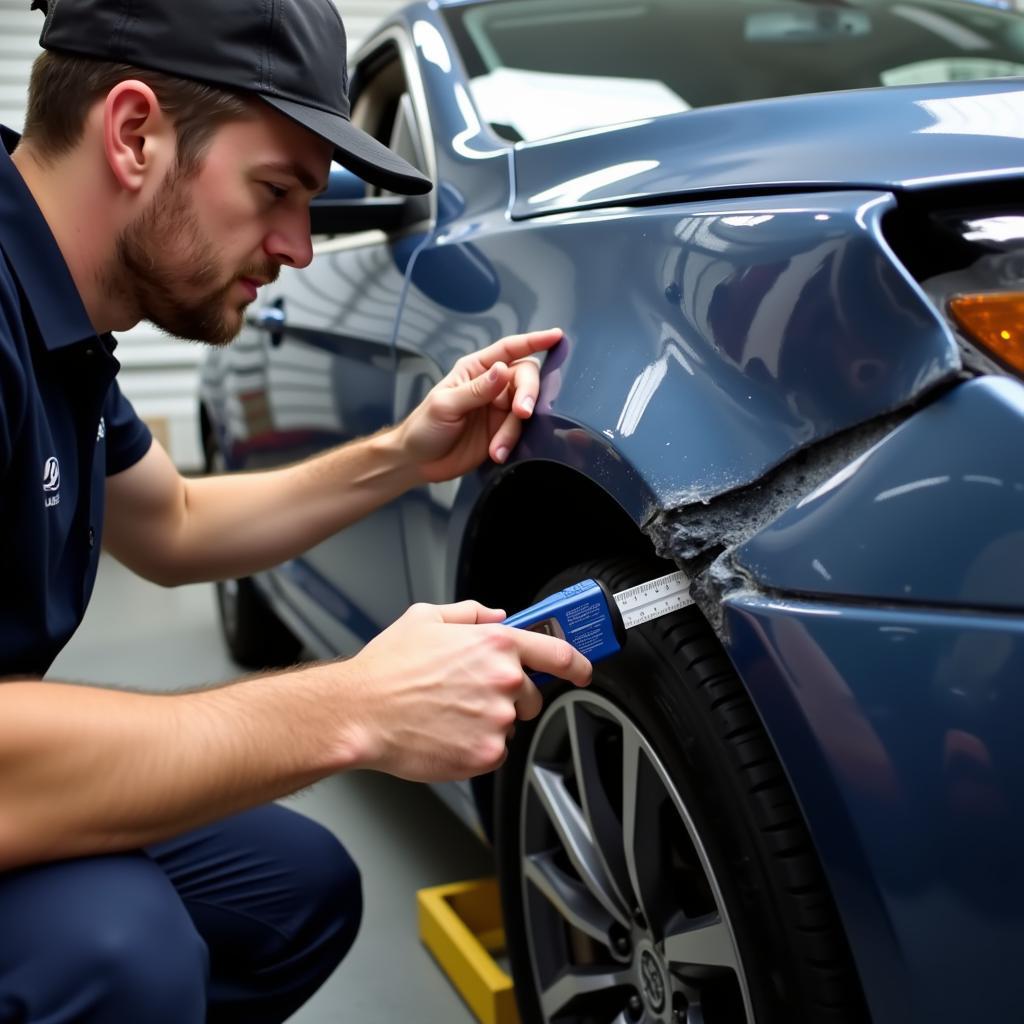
289,53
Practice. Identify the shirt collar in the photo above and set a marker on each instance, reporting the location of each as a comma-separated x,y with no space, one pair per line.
36,259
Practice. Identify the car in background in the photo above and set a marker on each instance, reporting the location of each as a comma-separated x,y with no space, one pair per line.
785,240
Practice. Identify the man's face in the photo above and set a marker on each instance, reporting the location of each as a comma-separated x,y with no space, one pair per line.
192,260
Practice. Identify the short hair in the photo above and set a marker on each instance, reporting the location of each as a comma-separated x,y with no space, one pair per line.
63,87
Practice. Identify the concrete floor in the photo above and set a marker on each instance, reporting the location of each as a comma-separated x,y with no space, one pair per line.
401,835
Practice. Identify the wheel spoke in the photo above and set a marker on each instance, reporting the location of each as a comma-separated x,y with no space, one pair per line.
573,901
601,820
704,942
639,827
572,984
567,818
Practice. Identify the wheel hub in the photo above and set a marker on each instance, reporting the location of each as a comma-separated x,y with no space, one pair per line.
651,979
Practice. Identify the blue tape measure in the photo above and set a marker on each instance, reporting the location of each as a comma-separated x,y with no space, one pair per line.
585,614
594,620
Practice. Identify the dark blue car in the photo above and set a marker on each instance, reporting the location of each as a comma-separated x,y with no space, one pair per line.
785,239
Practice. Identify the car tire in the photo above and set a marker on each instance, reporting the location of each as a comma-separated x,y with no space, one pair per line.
255,637
653,862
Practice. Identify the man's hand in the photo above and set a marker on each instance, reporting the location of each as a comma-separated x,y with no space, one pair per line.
478,409
435,696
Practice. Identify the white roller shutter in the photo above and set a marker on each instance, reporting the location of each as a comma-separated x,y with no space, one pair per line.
19,44
158,373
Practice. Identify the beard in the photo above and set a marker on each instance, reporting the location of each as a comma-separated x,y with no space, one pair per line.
167,268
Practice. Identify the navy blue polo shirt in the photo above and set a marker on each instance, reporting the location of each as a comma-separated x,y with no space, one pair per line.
64,428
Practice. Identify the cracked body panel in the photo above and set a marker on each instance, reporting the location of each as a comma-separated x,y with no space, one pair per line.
923,508
932,514
703,537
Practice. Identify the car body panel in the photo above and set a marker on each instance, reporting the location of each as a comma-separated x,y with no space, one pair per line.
713,334
740,332
900,731
934,513
906,137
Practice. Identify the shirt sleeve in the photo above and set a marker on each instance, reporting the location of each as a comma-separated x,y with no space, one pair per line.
128,438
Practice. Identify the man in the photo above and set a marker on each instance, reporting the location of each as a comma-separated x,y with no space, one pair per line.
170,154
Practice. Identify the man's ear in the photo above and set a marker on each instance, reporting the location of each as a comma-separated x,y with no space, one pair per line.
138,138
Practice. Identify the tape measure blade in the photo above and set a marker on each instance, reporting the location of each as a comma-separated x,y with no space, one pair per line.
653,599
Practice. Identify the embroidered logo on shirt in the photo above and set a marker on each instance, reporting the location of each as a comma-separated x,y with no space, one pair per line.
51,481
102,432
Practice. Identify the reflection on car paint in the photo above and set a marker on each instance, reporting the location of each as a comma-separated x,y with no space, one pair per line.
790,145
992,114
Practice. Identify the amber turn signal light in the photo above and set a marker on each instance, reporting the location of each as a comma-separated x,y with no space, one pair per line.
996,322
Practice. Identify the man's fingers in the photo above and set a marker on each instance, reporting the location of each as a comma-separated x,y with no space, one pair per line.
529,703
470,613
553,657
474,394
515,346
525,387
505,438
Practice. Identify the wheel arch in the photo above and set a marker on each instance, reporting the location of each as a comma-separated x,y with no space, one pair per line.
568,519
574,520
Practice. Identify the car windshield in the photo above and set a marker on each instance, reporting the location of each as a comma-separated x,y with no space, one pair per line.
540,68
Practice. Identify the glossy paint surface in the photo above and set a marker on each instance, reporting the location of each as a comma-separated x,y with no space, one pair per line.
933,513
705,342
910,137
900,730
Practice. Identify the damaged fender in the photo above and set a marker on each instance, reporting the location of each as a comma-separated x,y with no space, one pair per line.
728,335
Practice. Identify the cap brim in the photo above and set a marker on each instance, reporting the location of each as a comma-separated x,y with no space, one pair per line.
360,153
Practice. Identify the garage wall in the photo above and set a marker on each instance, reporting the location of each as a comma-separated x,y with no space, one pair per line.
158,373
19,32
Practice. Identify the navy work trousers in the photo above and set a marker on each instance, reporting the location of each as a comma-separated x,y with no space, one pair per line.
238,921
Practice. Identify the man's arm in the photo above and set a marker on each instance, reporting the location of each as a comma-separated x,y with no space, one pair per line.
174,530
85,770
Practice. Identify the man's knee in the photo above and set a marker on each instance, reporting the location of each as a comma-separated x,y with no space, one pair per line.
147,964
102,940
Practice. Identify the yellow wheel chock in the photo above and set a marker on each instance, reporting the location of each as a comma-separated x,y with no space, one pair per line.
461,925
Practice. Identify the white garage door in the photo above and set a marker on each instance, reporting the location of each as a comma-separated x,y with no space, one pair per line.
158,374
19,35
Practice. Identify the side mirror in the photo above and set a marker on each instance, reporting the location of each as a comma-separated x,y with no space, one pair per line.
345,207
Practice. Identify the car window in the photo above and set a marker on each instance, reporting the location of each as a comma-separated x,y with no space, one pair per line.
383,107
546,67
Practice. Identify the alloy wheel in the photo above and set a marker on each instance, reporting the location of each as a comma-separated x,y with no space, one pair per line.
623,910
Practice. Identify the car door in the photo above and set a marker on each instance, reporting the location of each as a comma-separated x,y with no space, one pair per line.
327,334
